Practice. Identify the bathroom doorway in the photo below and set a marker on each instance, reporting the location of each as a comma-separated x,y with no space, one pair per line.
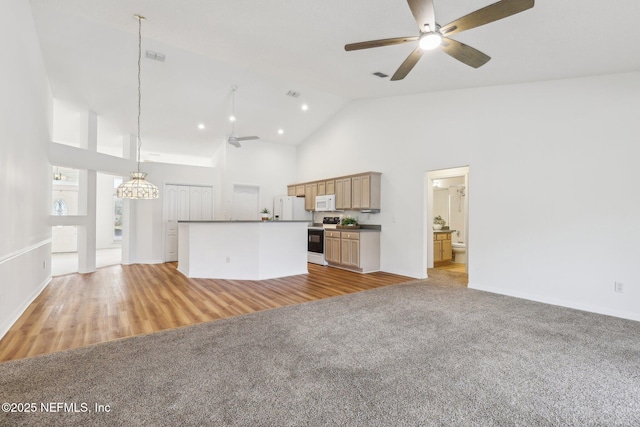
447,219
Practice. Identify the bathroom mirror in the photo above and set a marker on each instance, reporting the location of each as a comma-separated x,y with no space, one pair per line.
441,203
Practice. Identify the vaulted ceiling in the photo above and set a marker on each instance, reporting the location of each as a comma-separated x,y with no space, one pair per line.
268,48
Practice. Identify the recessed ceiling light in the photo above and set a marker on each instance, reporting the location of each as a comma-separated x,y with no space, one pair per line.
232,118
201,126
280,131
305,107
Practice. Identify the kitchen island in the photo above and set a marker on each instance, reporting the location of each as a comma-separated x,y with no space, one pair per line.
242,250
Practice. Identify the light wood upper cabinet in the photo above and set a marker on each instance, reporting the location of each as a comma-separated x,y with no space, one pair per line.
365,191
310,193
330,187
358,192
343,193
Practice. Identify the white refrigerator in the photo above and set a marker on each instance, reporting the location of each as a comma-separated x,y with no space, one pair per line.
288,208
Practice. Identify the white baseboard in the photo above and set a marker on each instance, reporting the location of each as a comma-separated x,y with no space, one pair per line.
144,261
13,317
562,303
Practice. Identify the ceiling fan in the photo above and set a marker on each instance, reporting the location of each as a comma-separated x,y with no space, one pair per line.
433,35
233,138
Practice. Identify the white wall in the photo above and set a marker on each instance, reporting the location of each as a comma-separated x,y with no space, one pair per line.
25,173
105,193
267,165
561,247
147,232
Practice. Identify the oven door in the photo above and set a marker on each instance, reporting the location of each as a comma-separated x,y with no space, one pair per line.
316,241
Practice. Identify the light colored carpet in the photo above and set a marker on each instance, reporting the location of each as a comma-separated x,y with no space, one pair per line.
414,354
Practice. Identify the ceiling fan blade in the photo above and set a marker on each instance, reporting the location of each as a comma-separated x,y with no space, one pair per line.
491,13
408,64
424,14
247,138
379,43
464,53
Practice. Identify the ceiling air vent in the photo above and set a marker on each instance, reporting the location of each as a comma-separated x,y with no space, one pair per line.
155,56
381,75
293,94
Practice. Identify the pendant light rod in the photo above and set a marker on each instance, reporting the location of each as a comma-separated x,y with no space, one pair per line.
138,187
140,18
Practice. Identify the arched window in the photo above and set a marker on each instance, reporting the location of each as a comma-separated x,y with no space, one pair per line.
59,207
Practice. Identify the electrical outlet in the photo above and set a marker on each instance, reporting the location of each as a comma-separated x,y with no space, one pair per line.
618,287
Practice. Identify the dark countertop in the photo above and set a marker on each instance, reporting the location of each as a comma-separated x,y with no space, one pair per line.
240,221
363,227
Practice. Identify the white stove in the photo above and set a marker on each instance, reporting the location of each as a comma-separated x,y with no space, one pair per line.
315,244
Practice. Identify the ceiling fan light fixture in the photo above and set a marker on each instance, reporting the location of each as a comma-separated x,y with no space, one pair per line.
430,41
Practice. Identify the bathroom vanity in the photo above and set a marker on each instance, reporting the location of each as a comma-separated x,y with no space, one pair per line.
442,251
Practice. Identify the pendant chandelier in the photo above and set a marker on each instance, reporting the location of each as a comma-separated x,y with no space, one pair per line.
138,187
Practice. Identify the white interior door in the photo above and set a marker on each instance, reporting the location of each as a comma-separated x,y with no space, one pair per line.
171,222
207,203
195,204
245,202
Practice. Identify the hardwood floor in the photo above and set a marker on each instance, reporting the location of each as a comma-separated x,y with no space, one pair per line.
455,267
123,301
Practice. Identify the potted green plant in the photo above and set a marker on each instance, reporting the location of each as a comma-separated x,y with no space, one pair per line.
265,214
438,222
348,221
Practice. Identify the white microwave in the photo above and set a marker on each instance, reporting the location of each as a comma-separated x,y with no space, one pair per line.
326,203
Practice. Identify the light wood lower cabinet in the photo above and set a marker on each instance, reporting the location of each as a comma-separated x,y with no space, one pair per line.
442,252
350,249
332,247
353,250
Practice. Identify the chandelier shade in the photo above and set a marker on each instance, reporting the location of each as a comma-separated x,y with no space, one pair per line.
137,188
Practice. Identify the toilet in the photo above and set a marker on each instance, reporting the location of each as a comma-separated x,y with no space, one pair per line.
459,252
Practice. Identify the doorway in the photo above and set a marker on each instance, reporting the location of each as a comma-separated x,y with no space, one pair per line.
246,202
66,249
447,219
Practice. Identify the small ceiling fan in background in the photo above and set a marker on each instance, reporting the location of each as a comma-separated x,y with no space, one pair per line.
433,35
234,139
